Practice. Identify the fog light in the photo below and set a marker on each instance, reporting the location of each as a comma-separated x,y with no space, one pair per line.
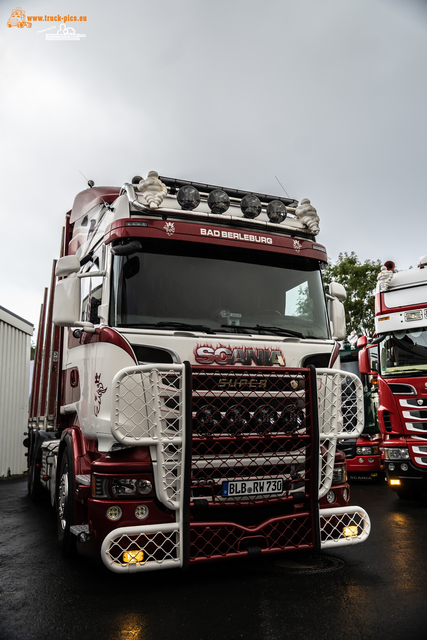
404,467
361,460
330,496
141,511
251,206
133,556
370,460
276,211
114,513
218,201
391,466
351,531
345,494
188,197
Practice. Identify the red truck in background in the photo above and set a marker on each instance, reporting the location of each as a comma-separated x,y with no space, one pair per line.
363,456
187,397
400,343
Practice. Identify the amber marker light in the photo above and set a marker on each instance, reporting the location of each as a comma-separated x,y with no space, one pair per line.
351,531
133,556
395,482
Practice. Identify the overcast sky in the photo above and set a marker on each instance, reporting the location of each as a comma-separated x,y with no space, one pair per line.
330,96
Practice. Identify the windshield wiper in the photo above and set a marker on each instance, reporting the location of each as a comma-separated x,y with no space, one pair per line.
262,327
185,326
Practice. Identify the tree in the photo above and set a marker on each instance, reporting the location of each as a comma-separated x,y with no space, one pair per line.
359,281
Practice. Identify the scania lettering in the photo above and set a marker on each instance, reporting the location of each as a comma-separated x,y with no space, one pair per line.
187,396
400,343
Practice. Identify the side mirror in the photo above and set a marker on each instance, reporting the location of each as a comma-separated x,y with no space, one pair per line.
338,319
66,305
66,266
337,291
362,342
365,367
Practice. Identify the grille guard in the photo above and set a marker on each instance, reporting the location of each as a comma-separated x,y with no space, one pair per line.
151,408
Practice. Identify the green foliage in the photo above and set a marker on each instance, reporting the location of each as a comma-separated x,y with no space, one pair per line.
359,281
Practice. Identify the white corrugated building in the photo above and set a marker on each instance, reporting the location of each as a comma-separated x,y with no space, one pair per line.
15,346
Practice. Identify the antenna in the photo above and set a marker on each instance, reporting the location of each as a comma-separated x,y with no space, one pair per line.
89,182
282,187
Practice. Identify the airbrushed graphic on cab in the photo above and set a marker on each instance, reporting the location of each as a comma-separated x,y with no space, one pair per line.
226,355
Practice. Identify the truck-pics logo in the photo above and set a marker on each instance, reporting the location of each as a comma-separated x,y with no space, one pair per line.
226,356
18,19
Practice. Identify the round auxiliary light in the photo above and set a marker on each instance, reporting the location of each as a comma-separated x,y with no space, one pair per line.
141,511
404,467
144,487
345,494
330,496
218,201
238,419
265,419
251,206
114,513
188,197
276,211
207,420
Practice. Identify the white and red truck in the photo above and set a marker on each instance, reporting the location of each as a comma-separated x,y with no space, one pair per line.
400,344
187,396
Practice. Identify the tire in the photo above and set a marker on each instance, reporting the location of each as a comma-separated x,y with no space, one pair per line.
65,503
35,488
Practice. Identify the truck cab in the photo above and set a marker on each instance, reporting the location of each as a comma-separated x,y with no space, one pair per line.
400,342
187,398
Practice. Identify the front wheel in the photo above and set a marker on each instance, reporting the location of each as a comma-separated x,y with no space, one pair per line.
64,503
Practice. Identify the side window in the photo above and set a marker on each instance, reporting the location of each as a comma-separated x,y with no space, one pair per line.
91,294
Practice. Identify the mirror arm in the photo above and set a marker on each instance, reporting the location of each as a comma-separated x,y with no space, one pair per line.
88,327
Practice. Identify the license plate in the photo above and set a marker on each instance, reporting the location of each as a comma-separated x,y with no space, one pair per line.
252,487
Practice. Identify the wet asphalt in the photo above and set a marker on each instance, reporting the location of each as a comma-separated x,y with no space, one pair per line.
375,590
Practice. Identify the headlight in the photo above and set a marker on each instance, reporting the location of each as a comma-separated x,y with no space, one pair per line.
107,487
398,453
123,487
339,475
366,451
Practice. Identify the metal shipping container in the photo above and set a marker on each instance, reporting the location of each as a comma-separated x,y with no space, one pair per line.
15,344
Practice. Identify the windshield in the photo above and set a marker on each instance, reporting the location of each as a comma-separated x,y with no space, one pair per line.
404,353
211,288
